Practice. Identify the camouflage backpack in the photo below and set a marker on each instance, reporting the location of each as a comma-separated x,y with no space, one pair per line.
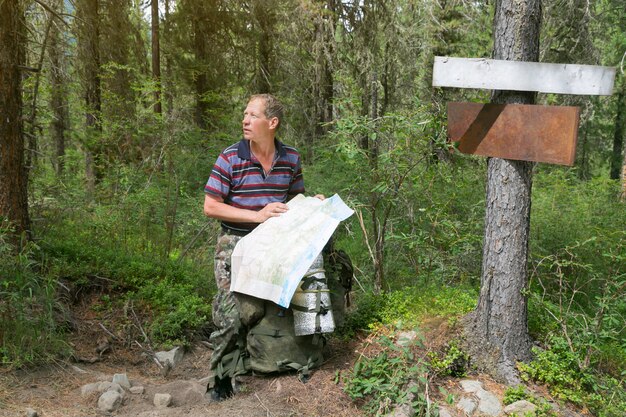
271,344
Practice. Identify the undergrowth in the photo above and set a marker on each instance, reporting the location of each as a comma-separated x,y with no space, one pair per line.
391,375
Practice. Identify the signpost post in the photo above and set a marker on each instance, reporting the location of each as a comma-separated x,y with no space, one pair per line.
513,131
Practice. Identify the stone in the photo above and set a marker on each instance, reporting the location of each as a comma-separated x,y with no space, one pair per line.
443,412
467,405
162,400
205,380
89,388
31,413
173,357
488,403
122,380
78,370
137,389
520,408
469,385
110,401
110,386
403,410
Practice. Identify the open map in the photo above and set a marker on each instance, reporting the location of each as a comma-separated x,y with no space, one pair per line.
270,261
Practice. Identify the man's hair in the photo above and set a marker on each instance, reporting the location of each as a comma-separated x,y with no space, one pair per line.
273,107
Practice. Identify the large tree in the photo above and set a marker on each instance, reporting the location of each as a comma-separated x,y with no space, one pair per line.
13,177
498,328
88,13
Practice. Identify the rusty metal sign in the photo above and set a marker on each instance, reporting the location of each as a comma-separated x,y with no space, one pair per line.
515,131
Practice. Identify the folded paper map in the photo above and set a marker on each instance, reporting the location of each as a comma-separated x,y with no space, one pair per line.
269,262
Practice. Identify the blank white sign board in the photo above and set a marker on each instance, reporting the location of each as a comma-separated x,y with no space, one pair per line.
492,74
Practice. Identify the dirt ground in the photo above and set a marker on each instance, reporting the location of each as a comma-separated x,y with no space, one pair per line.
55,391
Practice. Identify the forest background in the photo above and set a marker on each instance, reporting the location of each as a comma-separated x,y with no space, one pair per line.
123,115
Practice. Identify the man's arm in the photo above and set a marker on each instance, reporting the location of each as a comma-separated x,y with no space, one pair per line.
215,208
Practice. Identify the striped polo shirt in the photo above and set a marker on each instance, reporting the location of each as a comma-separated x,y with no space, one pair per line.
238,178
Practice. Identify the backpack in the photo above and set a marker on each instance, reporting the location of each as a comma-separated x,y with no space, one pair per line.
271,344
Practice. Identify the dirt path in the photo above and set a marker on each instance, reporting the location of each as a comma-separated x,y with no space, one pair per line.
55,391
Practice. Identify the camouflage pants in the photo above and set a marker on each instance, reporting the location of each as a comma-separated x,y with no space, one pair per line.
225,308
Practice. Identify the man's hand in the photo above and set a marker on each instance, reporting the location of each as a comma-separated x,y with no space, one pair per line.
320,197
271,210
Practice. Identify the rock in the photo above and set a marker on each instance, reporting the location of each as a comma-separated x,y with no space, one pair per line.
173,357
78,370
205,380
31,413
110,401
162,400
406,338
520,408
403,410
489,404
137,389
89,388
469,385
443,412
467,405
110,386
122,380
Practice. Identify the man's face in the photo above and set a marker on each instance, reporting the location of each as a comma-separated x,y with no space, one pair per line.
255,125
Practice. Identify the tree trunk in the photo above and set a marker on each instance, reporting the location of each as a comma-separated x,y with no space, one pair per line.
13,176
498,329
266,20
156,56
618,136
31,130
201,81
89,45
58,99
167,83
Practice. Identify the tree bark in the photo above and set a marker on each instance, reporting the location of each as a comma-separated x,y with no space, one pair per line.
265,18
156,56
498,329
89,43
58,99
619,133
13,175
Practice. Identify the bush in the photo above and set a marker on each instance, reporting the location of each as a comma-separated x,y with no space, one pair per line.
391,377
29,333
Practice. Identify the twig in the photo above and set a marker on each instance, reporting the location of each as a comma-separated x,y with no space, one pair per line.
359,215
149,349
267,410
150,353
107,331
202,229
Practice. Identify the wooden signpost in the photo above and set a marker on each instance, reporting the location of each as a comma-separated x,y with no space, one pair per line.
514,131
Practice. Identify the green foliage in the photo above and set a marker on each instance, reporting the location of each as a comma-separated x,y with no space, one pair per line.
452,362
407,307
29,332
518,393
176,292
393,376
559,368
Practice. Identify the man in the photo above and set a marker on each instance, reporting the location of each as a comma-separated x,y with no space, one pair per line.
250,182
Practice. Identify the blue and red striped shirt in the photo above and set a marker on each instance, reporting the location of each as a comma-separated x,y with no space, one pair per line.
238,178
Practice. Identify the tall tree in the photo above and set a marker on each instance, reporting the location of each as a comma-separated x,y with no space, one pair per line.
156,55
263,12
13,176
498,328
89,51
58,93
619,133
